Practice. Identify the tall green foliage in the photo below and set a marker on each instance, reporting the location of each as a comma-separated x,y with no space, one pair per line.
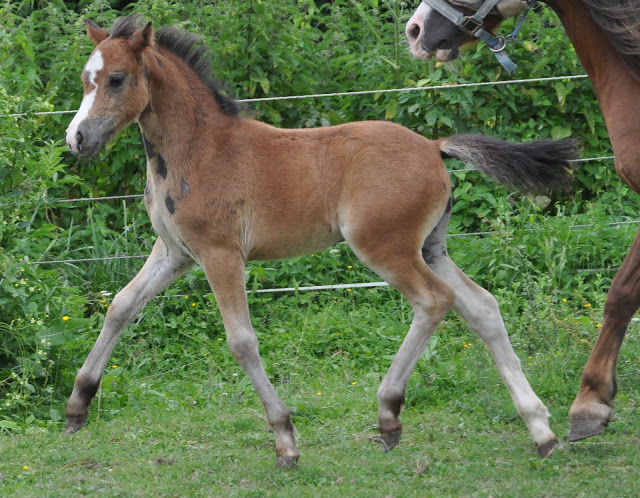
259,49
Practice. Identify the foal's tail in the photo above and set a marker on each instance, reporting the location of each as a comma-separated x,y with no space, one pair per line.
532,166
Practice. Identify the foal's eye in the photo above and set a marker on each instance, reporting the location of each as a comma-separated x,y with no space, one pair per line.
116,80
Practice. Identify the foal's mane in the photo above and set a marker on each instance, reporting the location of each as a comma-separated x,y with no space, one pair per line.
620,21
187,46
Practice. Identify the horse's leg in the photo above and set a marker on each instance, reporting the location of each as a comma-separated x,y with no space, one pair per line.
161,268
430,298
399,262
480,310
225,273
593,407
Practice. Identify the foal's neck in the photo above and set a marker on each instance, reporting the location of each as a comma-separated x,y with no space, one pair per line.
182,112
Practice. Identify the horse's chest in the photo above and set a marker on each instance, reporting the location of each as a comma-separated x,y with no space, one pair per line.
161,208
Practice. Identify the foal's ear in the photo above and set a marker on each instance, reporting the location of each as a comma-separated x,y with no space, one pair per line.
96,33
141,39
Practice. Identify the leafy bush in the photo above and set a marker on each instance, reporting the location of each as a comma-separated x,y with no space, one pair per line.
265,49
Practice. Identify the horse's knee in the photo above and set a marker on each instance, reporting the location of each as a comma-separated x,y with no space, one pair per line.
483,315
122,311
243,345
622,301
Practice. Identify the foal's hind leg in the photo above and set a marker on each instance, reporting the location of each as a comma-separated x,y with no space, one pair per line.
430,299
161,268
480,310
401,265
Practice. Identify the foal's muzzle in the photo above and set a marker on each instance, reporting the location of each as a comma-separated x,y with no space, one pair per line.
91,135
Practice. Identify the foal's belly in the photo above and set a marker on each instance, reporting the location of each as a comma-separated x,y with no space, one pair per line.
289,242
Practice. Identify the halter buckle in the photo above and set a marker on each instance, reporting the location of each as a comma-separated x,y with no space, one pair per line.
470,25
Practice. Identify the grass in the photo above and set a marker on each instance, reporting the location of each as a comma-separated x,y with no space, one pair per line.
188,422
169,446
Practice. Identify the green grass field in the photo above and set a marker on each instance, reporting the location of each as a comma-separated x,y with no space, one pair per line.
192,424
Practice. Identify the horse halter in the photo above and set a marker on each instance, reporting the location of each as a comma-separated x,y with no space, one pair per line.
474,25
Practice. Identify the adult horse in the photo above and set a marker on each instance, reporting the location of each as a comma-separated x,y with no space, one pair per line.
606,37
222,189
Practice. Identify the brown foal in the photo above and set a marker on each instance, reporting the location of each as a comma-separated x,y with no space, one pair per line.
223,189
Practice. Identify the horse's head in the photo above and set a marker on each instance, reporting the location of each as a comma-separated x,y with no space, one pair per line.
431,33
116,87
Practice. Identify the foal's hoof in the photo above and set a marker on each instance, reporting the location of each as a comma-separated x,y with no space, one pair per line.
287,462
390,440
545,449
74,423
582,428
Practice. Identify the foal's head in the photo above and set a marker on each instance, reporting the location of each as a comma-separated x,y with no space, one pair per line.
116,86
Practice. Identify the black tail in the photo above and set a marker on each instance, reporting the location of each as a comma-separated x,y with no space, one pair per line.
532,166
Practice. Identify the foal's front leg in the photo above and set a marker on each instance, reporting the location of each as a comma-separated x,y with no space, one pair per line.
161,268
225,271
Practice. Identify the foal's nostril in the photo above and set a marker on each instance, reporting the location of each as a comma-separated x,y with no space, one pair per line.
79,139
413,32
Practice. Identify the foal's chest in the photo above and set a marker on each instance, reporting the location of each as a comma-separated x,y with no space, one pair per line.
160,197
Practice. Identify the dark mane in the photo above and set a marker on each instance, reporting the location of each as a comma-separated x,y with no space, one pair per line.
620,21
190,48
124,27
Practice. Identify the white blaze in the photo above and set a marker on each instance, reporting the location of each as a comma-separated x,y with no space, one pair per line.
95,64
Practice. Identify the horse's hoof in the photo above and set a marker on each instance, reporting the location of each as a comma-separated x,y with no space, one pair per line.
390,440
286,462
545,449
582,428
75,423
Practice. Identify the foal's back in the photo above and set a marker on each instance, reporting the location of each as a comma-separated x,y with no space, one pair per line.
284,192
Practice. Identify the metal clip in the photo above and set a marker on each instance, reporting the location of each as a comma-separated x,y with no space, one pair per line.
502,44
